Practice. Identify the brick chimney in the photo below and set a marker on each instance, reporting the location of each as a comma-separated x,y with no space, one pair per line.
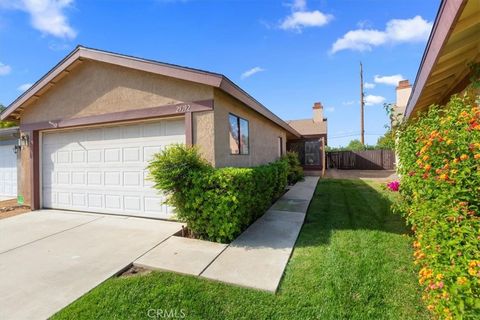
317,112
404,89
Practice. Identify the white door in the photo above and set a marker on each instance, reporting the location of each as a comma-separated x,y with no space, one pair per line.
8,172
103,169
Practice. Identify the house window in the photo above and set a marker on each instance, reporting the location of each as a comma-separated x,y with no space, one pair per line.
280,146
238,137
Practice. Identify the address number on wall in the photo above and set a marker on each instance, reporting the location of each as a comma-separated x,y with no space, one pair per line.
183,108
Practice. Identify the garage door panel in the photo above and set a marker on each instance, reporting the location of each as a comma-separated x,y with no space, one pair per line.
8,172
104,170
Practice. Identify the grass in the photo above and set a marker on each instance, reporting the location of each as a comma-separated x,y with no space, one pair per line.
352,261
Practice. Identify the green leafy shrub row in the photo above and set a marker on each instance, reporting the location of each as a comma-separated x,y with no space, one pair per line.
216,204
295,170
440,186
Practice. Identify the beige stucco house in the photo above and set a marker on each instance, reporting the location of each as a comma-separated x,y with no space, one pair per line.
89,127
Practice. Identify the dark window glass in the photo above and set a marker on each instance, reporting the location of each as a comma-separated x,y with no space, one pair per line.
234,135
280,146
244,138
238,135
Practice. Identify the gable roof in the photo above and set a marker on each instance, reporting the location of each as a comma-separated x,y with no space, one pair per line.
81,53
308,127
454,43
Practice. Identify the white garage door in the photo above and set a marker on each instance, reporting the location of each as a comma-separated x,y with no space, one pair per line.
104,169
8,172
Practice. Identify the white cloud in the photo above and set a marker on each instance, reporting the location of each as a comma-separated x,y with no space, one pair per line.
396,31
389,80
251,72
371,100
301,18
348,103
24,87
330,109
47,16
299,5
4,69
368,85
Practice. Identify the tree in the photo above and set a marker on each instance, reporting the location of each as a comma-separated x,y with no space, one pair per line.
5,124
387,141
355,145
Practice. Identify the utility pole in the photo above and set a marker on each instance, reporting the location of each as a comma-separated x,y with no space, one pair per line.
362,101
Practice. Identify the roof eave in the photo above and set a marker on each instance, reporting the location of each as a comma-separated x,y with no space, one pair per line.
448,13
235,91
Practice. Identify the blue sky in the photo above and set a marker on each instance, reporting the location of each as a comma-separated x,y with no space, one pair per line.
286,54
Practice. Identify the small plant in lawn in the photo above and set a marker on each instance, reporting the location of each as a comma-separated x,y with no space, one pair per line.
393,186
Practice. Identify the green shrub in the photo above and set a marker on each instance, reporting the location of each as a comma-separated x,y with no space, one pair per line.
440,184
295,170
216,204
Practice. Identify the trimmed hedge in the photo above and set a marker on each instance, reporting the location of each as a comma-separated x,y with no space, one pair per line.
216,204
440,184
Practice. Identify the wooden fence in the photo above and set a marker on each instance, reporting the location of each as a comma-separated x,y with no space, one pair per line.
361,160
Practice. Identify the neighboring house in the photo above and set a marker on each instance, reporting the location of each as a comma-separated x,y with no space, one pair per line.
314,134
93,122
8,163
453,45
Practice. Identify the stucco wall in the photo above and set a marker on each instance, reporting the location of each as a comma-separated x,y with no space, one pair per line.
263,134
95,88
203,134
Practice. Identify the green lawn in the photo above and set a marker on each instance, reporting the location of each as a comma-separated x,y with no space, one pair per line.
351,261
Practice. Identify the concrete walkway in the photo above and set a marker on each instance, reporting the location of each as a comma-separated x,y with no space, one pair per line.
258,257
50,258
375,175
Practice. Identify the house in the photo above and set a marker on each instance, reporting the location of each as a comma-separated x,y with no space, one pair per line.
8,163
313,136
453,46
89,127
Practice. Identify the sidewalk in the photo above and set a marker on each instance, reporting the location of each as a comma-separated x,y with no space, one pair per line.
258,257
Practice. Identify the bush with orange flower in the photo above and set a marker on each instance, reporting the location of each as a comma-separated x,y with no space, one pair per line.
440,186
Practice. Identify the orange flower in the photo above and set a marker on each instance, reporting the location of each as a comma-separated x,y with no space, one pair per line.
463,157
474,263
428,167
443,176
477,156
461,280
425,158
456,160
449,141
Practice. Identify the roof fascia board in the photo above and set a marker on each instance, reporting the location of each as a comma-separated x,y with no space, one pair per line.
232,89
152,67
448,14
46,79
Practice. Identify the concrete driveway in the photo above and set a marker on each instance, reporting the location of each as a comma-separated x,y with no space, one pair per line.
50,258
